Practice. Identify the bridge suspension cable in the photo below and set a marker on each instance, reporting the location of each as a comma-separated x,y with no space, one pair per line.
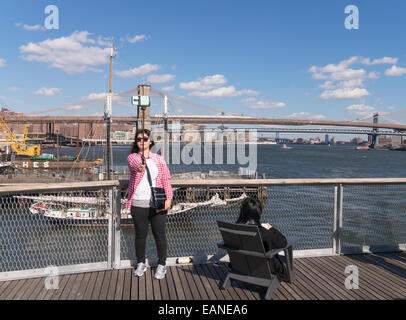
102,98
76,105
200,105
380,114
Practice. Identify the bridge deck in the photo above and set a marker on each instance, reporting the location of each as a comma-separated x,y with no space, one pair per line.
381,277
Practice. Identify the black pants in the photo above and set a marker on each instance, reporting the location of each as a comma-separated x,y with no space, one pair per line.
141,218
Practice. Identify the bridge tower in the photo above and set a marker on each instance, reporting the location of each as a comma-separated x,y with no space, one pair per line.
372,137
144,112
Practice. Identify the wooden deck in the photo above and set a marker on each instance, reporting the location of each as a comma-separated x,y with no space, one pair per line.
381,277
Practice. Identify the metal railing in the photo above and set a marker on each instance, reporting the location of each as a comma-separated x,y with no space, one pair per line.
330,216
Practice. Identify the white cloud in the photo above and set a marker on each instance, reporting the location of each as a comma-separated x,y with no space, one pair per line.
249,92
137,38
395,71
100,96
223,92
213,87
306,116
2,63
169,88
361,109
327,85
95,96
207,83
348,74
267,105
104,41
352,83
331,68
218,93
71,54
30,28
384,60
373,75
161,78
254,103
344,93
44,91
348,82
339,75
140,71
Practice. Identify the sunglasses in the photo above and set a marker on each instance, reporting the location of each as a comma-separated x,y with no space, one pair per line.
142,139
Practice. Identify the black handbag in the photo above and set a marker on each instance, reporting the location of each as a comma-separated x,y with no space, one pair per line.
158,194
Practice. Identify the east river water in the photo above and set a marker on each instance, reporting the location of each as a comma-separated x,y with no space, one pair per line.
298,161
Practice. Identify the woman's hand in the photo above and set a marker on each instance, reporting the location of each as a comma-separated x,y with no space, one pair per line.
141,168
168,204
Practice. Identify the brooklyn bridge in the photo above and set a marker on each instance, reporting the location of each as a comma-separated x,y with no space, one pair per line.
92,127
87,127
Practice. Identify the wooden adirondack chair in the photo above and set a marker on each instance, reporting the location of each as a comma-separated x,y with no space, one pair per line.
249,261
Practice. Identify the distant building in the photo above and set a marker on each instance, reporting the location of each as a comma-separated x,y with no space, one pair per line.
357,140
193,136
384,140
396,141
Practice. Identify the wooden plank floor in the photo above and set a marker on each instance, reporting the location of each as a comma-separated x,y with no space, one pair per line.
381,277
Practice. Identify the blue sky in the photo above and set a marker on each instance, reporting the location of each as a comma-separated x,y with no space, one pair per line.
279,59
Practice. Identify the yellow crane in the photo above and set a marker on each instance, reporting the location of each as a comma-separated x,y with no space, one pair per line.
19,145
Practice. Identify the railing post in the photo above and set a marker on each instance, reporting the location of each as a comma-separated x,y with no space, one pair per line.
117,228
338,218
111,249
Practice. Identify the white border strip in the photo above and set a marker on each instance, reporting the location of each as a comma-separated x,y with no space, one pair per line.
40,273
125,264
375,249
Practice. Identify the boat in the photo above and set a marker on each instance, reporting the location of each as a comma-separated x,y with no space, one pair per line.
94,211
284,146
362,148
37,208
4,165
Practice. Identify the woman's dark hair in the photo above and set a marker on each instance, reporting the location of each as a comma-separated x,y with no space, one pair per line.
251,211
146,132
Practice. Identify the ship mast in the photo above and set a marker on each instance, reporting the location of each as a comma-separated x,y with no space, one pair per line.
107,117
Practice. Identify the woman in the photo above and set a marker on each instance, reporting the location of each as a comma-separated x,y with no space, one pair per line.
139,200
272,238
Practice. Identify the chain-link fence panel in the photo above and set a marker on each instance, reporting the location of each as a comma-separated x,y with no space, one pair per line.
302,211
305,211
374,215
53,229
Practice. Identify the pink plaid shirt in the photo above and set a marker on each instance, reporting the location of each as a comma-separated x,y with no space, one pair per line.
162,181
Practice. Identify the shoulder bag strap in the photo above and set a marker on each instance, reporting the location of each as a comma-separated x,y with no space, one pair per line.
149,175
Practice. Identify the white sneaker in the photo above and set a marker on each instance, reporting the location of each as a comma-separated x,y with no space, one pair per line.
141,268
160,272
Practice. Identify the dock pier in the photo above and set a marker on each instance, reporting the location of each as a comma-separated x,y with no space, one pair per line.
334,219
